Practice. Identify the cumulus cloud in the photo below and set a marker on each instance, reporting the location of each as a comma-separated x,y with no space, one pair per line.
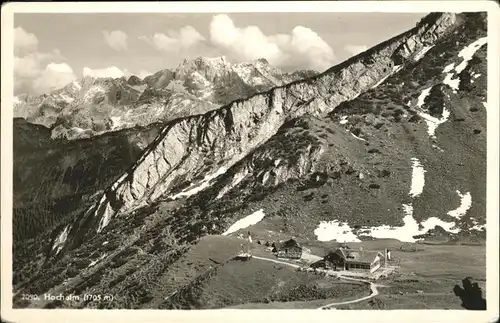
143,73
34,71
355,49
302,48
116,39
24,41
54,76
112,71
28,66
174,40
31,68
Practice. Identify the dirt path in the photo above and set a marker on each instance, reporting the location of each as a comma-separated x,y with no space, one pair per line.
373,293
373,287
276,261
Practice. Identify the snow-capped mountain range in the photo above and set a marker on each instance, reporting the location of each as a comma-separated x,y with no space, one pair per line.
92,106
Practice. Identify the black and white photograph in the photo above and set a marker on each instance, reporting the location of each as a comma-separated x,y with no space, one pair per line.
248,159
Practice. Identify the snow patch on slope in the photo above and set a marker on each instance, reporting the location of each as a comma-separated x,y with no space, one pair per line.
448,68
468,52
433,122
199,80
422,53
60,240
359,138
438,148
93,263
417,178
404,233
432,222
453,83
247,221
465,204
200,186
410,228
477,226
422,96
333,230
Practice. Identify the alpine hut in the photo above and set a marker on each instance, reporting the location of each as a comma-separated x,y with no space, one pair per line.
289,249
351,259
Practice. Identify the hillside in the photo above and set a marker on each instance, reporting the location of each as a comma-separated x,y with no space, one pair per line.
390,144
360,166
54,179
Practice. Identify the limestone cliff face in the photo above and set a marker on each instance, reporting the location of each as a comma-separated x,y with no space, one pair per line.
197,149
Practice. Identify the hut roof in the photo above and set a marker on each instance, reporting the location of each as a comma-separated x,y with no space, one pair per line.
364,257
356,256
287,244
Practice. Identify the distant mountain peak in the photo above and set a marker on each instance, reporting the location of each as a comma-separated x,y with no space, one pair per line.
263,61
134,80
203,61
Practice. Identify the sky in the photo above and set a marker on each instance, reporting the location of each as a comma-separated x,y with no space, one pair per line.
53,49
